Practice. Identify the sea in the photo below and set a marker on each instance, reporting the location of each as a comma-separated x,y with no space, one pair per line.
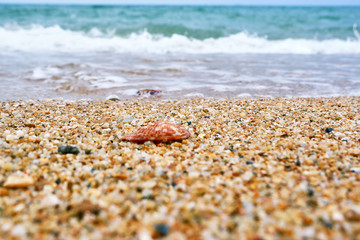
95,52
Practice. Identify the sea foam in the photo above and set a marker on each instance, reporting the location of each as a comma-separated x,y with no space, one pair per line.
37,38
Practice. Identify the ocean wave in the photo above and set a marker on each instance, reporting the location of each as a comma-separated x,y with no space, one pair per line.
56,39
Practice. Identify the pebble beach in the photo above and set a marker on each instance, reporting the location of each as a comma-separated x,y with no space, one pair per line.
253,168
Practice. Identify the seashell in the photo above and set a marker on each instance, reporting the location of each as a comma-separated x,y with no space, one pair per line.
148,92
162,131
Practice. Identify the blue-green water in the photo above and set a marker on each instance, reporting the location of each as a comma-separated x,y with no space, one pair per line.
89,51
193,22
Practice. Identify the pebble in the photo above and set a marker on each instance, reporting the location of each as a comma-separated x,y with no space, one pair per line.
247,176
65,149
19,231
149,184
3,191
329,130
7,166
113,98
129,119
162,229
15,181
50,200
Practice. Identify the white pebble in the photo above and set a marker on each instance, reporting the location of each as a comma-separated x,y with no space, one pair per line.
308,232
6,227
10,137
20,133
247,176
337,216
19,231
50,200
149,184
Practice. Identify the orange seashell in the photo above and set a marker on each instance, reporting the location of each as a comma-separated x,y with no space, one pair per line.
162,131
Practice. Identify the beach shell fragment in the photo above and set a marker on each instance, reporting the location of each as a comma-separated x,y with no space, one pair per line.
15,181
151,92
162,131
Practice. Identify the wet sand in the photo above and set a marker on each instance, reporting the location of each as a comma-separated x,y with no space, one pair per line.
253,168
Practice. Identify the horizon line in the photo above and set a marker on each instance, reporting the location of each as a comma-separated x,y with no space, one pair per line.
176,4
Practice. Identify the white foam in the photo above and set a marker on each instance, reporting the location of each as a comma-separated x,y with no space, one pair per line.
223,88
56,39
129,92
194,95
109,82
244,95
43,73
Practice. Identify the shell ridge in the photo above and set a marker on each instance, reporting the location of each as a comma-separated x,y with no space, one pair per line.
162,131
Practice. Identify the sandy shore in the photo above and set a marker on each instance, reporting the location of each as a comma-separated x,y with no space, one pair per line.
252,169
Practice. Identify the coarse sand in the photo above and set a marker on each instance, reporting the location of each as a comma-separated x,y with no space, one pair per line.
253,168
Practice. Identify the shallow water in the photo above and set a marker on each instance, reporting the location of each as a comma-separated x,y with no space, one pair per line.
91,52
96,76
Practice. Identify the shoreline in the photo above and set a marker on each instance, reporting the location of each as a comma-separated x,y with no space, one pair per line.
253,168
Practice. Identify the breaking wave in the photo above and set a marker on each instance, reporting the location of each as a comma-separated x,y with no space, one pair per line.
56,39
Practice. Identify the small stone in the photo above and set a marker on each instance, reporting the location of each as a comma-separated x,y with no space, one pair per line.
338,216
129,119
149,184
87,151
3,191
19,231
147,194
173,183
113,98
10,137
249,162
329,130
352,215
50,200
68,149
310,191
121,176
20,133
44,161
162,229
144,235
7,166
247,176
15,181
29,125
327,223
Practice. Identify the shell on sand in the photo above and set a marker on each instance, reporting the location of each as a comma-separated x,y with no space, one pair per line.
148,92
162,131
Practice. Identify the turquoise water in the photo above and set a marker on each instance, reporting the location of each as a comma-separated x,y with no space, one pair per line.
49,51
193,22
